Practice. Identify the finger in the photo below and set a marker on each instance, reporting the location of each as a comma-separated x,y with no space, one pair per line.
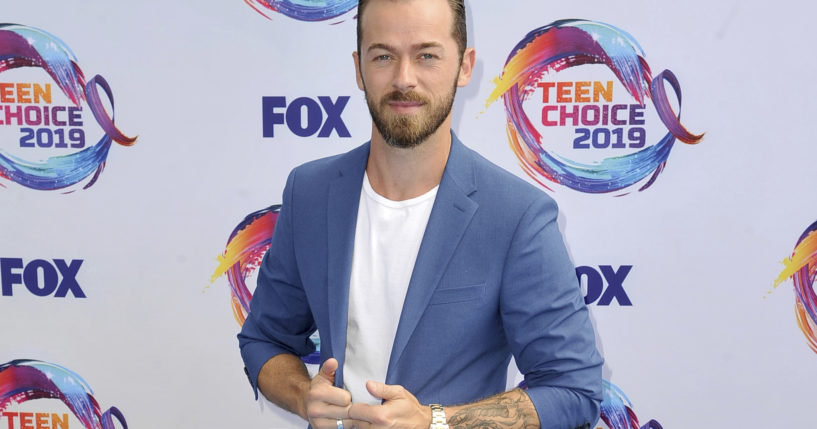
327,411
324,410
357,424
329,394
328,369
352,424
365,413
385,391
331,423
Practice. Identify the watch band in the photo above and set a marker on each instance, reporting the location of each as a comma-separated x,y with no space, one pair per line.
438,417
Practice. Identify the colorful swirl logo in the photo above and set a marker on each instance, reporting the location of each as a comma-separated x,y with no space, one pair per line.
585,110
320,10
44,125
801,267
617,410
25,380
245,249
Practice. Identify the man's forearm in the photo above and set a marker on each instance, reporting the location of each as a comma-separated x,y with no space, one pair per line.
284,381
508,410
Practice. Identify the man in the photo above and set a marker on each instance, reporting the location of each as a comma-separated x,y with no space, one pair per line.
422,265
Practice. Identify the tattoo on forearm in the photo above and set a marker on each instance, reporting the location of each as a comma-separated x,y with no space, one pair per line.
509,410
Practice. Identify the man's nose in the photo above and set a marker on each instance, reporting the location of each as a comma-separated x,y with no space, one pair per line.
405,78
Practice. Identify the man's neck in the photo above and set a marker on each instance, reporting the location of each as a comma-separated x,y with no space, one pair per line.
400,174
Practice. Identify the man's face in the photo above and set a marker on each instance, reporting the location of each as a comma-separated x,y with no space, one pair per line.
409,67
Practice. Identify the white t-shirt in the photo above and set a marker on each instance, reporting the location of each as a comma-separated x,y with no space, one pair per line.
387,239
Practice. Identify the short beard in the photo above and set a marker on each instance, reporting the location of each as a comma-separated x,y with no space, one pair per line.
409,131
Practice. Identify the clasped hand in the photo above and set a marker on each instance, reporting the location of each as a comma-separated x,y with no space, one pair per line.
325,404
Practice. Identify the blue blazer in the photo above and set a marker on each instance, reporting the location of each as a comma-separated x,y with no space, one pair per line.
492,279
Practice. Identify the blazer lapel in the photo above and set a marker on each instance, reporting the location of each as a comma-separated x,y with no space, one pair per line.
343,202
450,216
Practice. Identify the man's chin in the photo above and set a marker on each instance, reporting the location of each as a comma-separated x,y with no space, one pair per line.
396,136
404,143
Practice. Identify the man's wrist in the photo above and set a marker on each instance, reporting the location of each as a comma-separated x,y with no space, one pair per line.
438,420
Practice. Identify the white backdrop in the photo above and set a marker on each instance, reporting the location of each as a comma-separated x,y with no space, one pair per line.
704,343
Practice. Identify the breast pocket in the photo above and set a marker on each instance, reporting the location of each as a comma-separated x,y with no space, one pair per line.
457,294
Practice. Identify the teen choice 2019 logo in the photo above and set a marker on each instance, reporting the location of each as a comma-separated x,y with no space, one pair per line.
38,394
242,256
309,10
577,94
48,139
801,267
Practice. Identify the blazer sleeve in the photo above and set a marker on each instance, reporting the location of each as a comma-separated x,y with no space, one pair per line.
547,323
280,320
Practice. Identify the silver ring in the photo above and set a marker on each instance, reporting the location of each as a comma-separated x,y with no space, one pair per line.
340,423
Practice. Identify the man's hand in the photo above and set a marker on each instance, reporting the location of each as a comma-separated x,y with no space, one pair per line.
325,403
400,409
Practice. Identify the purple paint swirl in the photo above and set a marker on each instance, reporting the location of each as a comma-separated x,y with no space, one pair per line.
571,43
22,46
245,249
26,380
304,10
801,267
617,411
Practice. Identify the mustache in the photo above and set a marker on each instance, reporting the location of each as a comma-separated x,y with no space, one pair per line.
410,96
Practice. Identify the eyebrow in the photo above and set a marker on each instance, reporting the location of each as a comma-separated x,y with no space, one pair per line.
427,45
417,47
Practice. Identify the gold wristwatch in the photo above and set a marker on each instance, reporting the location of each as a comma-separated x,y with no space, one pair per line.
438,417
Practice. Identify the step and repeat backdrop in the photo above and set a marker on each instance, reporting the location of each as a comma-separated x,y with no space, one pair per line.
130,231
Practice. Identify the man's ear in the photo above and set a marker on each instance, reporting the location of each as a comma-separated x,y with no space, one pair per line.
358,76
466,66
